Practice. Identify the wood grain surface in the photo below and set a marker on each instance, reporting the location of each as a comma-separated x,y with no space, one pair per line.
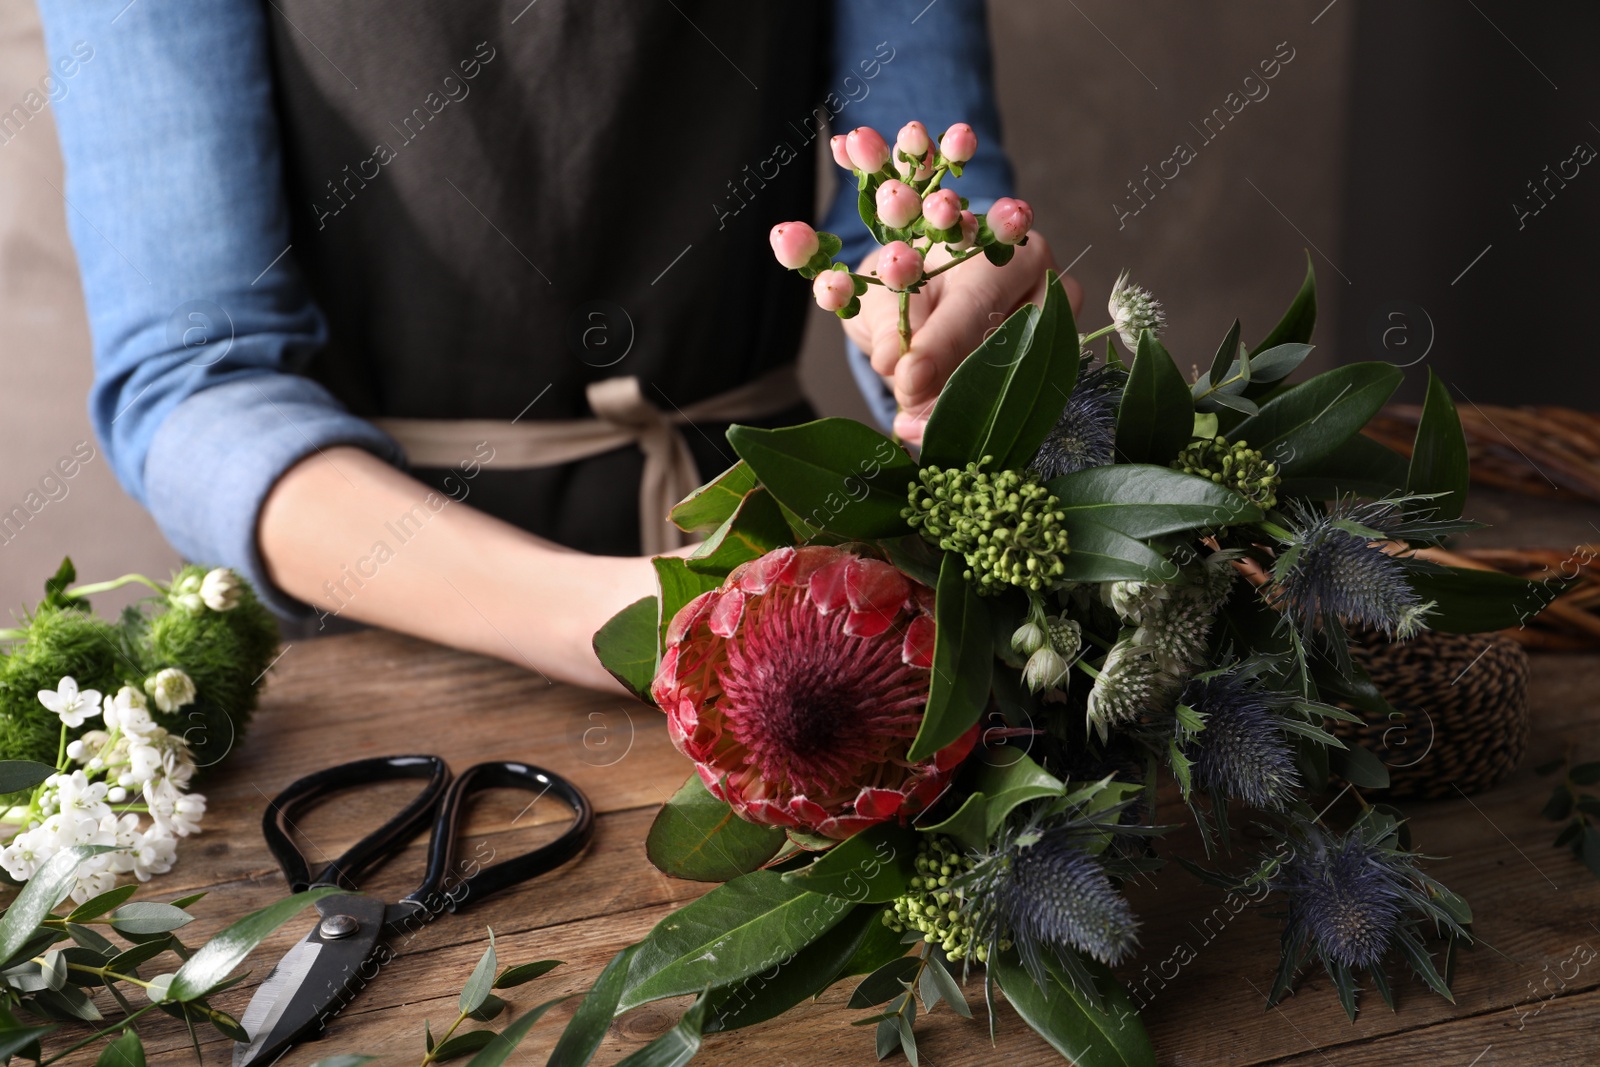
1204,965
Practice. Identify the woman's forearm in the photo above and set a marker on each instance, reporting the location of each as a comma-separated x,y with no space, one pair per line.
354,537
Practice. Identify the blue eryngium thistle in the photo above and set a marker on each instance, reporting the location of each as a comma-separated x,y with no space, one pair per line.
1056,894
1242,754
1346,896
1332,571
1085,434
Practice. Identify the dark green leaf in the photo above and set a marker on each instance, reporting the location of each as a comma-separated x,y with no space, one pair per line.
677,585
490,1009
1475,601
878,946
476,991
808,972
710,505
885,983
1147,501
525,972
1308,422
1276,363
1005,780
1007,395
1098,553
66,1004
55,587
211,964
1157,414
887,1039
1361,768
963,662
1439,457
462,1045
734,931
48,887
1226,356
16,1039
95,907
504,1044
1085,1035
590,1022
677,1046
148,917
1360,466
755,529
698,837
1589,850
91,940
627,644
124,962
1585,774
19,774
835,474
1300,318
874,866
948,988
125,1051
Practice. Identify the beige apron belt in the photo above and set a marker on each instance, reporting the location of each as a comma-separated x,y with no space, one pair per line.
623,416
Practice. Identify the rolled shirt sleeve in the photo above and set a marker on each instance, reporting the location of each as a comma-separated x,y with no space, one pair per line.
940,72
198,315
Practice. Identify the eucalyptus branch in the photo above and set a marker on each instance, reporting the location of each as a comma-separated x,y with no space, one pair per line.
124,1025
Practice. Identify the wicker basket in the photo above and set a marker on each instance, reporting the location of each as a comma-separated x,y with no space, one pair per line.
1462,702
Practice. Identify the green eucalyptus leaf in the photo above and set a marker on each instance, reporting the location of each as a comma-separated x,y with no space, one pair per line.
211,964
481,981
48,887
91,940
754,529
1147,501
1007,395
97,906
588,1025
19,774
677,1046
1156,414
1227,355
963,662
627,645
525,972
874,866
126,1051
885,983
1439,457
148,917
1059,1014
698,837
499,1049
835,474
1308,422
1299,320
710,505
344,1059
462,1045
736,930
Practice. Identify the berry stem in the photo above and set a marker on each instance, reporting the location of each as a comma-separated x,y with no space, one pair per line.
904,301
955,261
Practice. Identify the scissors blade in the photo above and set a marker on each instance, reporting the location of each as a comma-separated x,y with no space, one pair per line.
313,981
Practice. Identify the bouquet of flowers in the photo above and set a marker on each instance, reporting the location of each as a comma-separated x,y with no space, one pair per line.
931,701
172,689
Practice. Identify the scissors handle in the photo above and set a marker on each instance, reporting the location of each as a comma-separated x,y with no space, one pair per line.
377,846
444,888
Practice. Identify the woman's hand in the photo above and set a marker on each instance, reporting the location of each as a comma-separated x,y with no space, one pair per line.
950,316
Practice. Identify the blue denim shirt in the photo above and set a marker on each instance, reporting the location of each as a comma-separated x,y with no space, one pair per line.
199,316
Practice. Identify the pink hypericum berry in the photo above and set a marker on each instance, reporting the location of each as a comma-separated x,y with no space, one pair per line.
794,243
969,232
898,204
867,149
833,289
942,209
913,139
841,155
1010,220
899,266
959,143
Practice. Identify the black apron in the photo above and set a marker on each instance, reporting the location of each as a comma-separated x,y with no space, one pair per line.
497,203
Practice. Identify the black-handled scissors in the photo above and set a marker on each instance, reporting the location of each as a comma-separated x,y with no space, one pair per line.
331,964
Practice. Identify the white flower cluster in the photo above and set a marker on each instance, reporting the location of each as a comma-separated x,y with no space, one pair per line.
108,779
218,590
1133,309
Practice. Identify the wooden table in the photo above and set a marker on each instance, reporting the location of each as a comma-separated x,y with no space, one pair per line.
372,694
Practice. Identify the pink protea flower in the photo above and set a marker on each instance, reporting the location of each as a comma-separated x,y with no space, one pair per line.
942,209
959,143
867,149
798,686
794,243
899,266
1010,220
833,290
898,204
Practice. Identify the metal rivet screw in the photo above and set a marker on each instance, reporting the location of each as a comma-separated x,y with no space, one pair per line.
336,926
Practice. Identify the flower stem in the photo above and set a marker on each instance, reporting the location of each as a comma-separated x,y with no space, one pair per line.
1101,332
905,322
955,261
115,583
429,1058
61,750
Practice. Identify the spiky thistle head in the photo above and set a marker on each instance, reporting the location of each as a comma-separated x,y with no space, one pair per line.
1131,683
1133,308
1085,434
1334,569
1242,752
1346,895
